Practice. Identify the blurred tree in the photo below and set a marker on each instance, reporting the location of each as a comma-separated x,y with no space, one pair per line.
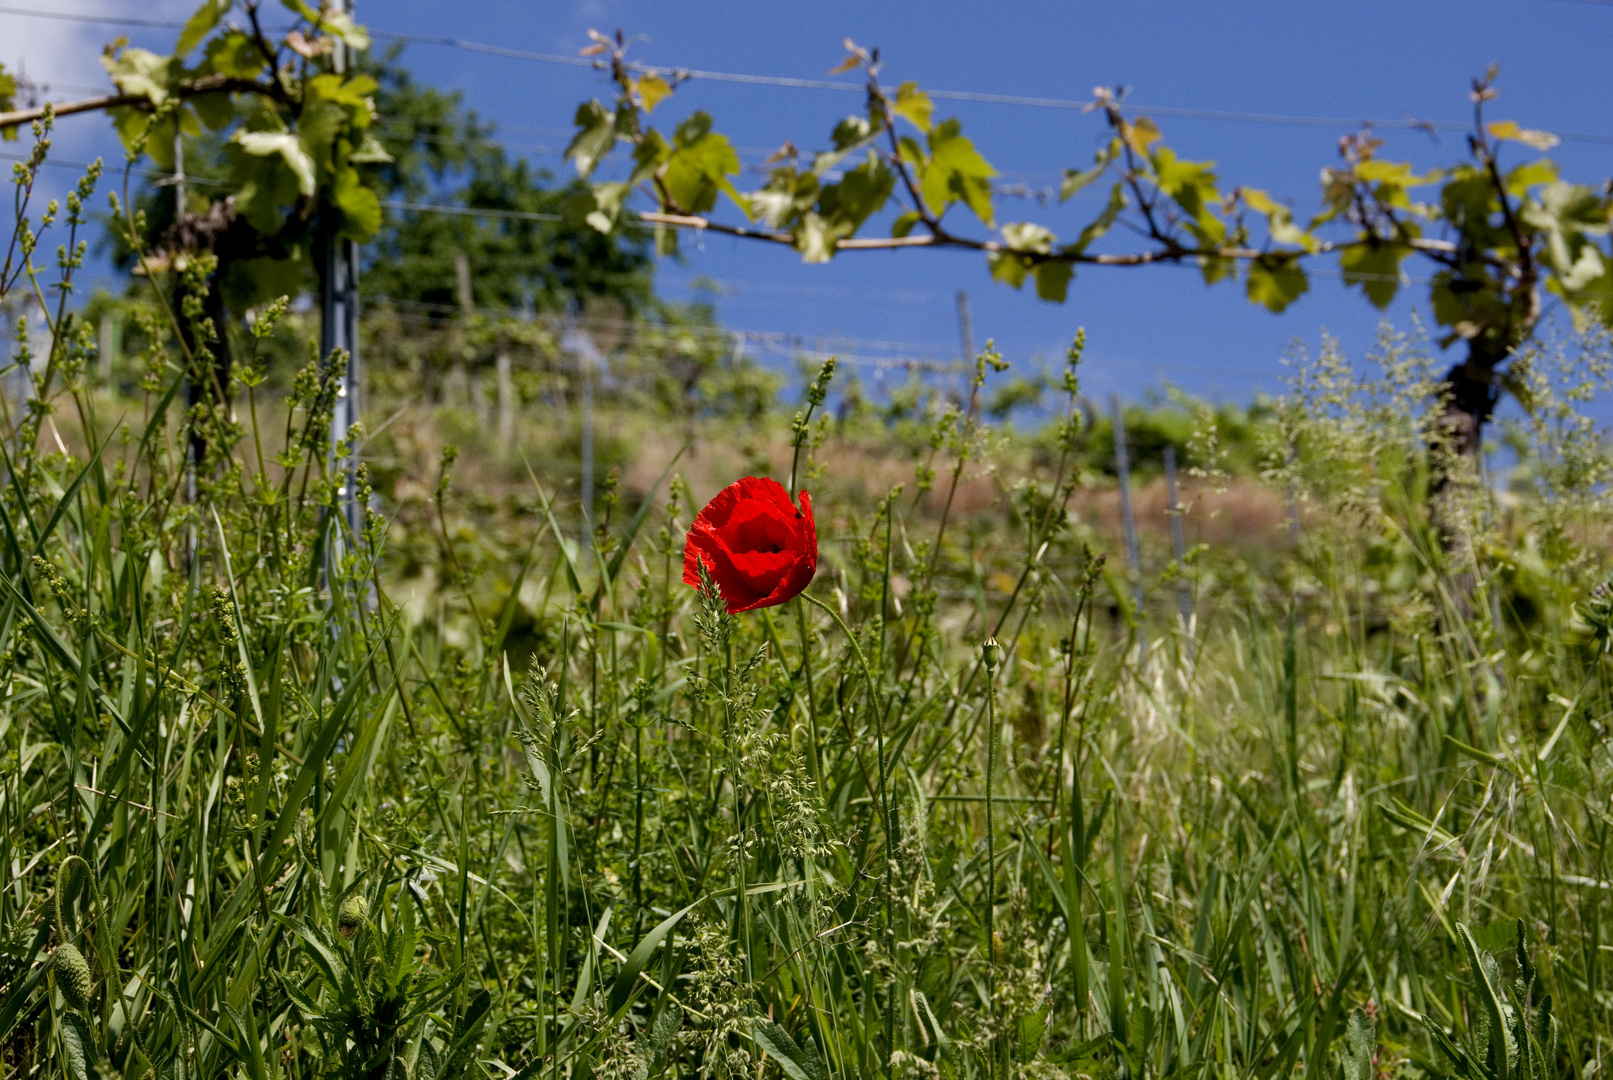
442,153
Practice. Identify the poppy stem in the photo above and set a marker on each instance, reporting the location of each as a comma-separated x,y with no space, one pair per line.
884,799
812,702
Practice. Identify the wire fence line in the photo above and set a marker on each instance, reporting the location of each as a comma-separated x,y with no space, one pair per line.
836,85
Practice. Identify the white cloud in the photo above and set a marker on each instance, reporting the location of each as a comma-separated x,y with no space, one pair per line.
62,59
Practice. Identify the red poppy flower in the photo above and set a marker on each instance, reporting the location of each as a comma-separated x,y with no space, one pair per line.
756,545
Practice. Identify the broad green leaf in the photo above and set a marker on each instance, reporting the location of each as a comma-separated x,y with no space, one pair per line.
288,148
1510,131
1053,280
701,162
359,206
1022,242
914,106
1530,174
1564,214
813,238
1191,185
851,133
652,90
1360,1039
1279,219
1376,268
903,225
860,193
78,1045
596,136
1076,179
1140,134
1275,283
235,55
1101,224
340,24
1396,173
787,193
142,73
598,206
650,153
1215,268
653,1045
199,25
1504,1050
369,152
800,1061
214,110
1032,1029
955,172
352,93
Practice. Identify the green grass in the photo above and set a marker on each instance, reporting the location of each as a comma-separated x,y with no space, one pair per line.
1358,829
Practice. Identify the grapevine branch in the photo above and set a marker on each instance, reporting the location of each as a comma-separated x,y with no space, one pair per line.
1174,253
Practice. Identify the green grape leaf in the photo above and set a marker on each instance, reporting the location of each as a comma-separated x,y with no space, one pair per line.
1023,241
340,24
596,136
1191,185
914,106
359,206
955,172
214,110
233,54
1053,280
1076,179
1508,130
142,73
1376,268
787,194
699,167
903,225
860,193
1275,282
8,101
1279,220
1564,214
1102,223
199,25
288,147
652,90
1530,174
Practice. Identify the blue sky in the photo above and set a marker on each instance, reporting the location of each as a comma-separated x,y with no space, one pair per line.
1392,61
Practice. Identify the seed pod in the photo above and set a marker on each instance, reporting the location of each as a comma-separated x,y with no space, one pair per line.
73,976
352,914
991,654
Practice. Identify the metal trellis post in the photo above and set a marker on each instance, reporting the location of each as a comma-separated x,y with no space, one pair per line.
1129,520
338,306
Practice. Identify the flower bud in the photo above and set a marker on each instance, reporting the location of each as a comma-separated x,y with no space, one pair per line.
991,654
352,914
73,976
